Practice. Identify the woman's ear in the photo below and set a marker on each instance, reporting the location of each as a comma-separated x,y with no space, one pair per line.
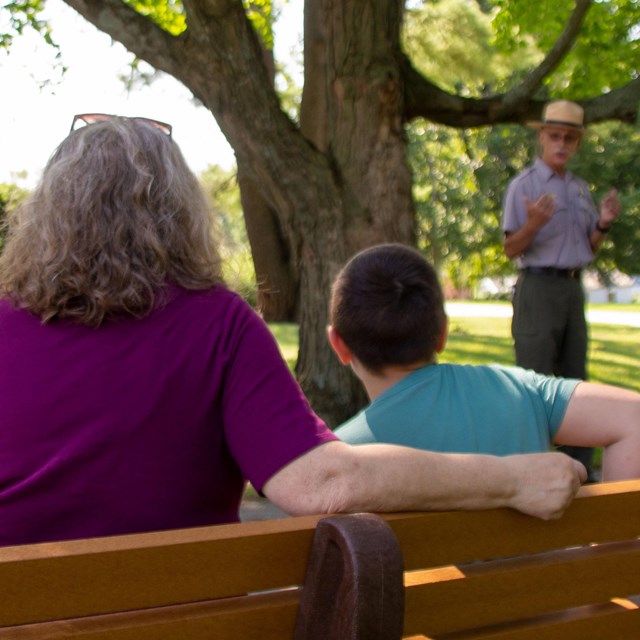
339,346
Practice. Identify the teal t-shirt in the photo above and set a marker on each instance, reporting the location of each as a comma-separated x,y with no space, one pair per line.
466,409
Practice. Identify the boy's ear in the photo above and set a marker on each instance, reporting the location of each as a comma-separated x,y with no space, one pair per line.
442,338
339,346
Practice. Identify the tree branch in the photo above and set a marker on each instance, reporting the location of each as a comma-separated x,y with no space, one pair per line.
560,49
620,104
423,99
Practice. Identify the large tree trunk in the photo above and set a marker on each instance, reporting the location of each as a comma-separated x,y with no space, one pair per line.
352,112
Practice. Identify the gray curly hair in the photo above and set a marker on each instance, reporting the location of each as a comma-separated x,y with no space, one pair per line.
117,216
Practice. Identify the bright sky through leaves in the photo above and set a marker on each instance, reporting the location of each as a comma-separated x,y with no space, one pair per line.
34,120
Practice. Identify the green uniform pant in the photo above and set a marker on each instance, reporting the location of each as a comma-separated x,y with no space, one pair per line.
550,332
548,327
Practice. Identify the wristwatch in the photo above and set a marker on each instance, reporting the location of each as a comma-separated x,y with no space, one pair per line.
602,229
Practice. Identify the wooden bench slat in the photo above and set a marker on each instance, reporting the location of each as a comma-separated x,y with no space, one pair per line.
523,588
604,512
269,616
51,582
592,626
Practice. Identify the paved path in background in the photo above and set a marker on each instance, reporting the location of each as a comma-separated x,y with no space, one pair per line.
599,316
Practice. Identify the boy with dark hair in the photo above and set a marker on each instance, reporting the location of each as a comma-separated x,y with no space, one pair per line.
388,323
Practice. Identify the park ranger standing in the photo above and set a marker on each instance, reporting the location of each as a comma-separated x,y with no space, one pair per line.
552,229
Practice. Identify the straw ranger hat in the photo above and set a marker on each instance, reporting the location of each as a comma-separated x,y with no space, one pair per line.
561,113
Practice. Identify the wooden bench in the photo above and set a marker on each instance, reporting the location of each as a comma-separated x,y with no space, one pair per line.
492,574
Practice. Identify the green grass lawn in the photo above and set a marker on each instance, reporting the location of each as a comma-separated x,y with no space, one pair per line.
286,333
614,350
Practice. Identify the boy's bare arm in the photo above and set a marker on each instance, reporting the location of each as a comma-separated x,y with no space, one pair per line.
605,416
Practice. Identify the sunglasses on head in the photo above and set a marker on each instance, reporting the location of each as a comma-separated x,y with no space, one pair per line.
84,119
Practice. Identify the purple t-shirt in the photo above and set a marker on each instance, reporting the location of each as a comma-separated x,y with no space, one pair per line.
142,424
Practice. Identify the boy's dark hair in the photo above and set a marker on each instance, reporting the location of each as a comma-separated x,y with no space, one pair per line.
388,306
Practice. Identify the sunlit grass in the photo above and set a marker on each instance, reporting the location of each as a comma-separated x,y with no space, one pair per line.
614,350
286,333
479,341
613,306
614,355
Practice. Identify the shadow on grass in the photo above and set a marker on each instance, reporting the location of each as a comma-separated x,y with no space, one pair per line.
478,350
614,350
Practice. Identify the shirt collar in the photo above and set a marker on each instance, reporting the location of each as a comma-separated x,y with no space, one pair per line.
546,172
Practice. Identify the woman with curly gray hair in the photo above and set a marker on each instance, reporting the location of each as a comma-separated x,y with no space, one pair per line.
116,215
137,393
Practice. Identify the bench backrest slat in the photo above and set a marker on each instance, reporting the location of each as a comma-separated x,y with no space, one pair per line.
50,581
497,592
619,624
267,616
604,512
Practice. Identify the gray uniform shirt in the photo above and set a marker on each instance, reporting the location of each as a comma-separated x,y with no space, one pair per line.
564,241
